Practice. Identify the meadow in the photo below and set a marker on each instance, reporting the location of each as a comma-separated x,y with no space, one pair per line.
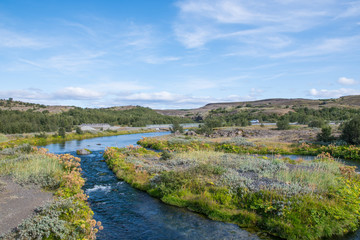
281,197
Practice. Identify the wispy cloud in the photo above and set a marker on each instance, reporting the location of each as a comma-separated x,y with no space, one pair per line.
327,46
334,93
11,39
347,81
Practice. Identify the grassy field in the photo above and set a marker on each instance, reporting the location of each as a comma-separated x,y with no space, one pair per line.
289,199
68,216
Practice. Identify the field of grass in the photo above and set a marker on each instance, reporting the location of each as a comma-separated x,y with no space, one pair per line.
289,199
3,138
243,145
68,216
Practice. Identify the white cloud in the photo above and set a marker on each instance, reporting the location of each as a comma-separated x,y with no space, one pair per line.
10,39
326,46
346,81
68,62
201,21
335,93
159,60
352,10
77,93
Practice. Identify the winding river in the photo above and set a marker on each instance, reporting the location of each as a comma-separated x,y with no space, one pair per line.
127,213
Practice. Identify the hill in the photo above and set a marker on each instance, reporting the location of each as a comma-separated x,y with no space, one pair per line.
278,106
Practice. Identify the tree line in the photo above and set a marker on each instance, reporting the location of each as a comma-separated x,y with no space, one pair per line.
13,121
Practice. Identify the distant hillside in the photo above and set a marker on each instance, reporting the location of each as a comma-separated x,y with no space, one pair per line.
24,106
276,105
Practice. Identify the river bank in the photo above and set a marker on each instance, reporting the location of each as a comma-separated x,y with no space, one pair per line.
48,138
41,196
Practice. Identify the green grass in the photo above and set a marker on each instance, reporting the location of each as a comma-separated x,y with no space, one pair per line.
68,216
3,138
289,199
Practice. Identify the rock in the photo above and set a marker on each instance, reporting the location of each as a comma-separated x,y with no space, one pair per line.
83,152
190,133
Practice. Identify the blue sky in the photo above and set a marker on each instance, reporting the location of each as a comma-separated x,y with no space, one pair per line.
177,54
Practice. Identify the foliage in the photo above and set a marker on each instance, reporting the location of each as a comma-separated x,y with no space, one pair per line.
317,123
283,124
38,140
351,131
300,200
69,216
78,130
325,135
61,132
176,127
31,121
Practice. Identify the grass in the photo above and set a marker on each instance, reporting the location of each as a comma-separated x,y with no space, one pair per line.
3,138
289,199
68,216
44,139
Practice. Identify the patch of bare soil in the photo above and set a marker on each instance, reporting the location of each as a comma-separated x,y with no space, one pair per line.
18,203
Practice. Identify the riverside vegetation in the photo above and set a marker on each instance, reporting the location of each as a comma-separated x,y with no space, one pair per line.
282,197
43,139
68,216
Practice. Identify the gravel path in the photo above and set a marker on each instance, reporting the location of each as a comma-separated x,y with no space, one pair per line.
18,203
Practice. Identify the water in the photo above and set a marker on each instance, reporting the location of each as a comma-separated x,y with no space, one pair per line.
127,213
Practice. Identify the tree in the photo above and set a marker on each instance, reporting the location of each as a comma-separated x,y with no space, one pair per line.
62,132
325,135
78,130
176,127
351,131
283,124
317,123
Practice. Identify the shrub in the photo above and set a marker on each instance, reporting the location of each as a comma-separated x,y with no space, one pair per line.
78,130
351,131
325,135
176,127
283,124
165,155
317,123
62,132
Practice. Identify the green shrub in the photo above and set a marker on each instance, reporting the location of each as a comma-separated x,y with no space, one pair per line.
325,135
283,124
176,127
317,123
351,131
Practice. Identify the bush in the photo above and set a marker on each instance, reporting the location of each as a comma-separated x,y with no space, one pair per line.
62,132
283,124
176,127
78,130
325,135
317,123
351,131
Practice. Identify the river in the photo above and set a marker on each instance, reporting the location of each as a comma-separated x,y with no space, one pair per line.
127,213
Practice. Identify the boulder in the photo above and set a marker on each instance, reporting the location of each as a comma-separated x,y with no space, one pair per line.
83,152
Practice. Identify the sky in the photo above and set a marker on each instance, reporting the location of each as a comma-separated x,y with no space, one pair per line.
177,54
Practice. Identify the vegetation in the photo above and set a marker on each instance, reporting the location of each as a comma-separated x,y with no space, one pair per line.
14,121
68,216
43,139
351,131
289,199
283,124
325,135
187,143
303,115
176,127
